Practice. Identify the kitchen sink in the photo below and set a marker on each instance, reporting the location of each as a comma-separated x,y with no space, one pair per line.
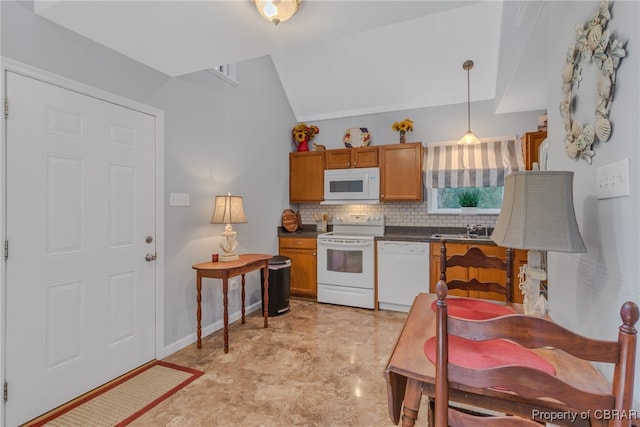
461,237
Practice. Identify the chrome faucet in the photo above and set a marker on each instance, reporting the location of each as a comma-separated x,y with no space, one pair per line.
477,228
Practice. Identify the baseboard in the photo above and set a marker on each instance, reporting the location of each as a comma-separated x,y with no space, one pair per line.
207,330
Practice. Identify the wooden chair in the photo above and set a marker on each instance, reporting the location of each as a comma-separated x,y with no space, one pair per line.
532,384
475,258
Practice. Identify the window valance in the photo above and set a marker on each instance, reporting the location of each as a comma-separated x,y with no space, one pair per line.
480,165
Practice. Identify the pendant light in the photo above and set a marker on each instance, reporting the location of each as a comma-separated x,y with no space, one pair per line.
469,137
277,11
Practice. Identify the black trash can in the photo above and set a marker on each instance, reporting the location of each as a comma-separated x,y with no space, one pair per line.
279,283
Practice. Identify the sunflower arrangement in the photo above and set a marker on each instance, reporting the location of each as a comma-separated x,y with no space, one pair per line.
404,126
301,132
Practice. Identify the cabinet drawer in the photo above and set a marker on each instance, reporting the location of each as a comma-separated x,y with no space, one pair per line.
297,243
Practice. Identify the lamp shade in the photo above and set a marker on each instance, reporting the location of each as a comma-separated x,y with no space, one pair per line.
228,210
469,138
537,213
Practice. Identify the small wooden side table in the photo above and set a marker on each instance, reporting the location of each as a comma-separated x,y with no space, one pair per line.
225,270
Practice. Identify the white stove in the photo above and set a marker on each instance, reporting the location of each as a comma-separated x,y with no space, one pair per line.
346,270
356,226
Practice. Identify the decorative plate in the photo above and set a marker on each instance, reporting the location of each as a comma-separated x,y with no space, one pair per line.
356,137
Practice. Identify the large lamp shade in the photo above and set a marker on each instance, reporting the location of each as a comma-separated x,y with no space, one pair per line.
537,213
228,210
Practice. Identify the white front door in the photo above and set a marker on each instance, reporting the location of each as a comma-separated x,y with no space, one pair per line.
80,296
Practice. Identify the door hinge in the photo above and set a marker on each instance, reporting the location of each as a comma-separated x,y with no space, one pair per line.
6,250
6,108
6,391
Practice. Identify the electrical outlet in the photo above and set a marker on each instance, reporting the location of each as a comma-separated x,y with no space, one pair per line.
234,284
179,199
612,180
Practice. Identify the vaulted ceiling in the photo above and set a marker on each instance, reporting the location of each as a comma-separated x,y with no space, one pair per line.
338,58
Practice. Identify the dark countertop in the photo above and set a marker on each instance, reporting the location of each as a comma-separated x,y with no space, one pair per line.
397,233
308,232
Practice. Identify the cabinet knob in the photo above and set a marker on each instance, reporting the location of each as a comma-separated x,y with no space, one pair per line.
348,163
298,242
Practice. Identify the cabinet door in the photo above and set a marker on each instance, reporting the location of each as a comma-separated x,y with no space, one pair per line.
339,158
306,177
530,143
364,157
303,272
401,172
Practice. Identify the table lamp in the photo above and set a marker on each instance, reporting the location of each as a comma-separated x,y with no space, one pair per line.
537,214
228,210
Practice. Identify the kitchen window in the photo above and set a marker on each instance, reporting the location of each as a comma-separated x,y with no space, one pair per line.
445,200
451,169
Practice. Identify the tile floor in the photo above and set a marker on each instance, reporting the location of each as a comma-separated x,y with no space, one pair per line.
317,365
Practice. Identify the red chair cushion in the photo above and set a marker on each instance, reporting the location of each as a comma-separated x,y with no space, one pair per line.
474,309
488,354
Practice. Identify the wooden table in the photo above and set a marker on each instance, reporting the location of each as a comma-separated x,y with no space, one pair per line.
225,270
409,374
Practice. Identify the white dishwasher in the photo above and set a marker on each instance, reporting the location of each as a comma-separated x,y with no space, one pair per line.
403,272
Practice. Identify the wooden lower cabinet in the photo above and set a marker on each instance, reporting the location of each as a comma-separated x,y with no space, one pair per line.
519,258
304,270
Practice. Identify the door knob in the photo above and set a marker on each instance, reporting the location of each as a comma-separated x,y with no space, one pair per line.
151,257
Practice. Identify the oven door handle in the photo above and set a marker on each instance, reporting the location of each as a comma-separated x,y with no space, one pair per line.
345,243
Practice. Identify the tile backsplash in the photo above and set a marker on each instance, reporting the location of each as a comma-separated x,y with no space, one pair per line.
397,214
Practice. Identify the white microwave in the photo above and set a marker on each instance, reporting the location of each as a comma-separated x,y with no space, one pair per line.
351,186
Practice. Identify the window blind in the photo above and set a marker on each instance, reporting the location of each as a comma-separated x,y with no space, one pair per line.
479,165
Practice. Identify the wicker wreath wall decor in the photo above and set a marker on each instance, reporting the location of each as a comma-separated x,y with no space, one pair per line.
594,44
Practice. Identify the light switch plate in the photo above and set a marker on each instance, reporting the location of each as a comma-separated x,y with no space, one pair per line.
179,199
612,180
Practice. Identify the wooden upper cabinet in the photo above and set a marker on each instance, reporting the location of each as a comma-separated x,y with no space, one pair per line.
364,157
401,172
344,158
530,144
306,176
338,159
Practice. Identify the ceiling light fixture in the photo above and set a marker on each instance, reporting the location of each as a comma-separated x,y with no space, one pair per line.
277,11
469,137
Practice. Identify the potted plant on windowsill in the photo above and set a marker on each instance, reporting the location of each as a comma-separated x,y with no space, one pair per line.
468,200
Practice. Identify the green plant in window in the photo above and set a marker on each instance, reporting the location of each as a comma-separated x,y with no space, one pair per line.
469,198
